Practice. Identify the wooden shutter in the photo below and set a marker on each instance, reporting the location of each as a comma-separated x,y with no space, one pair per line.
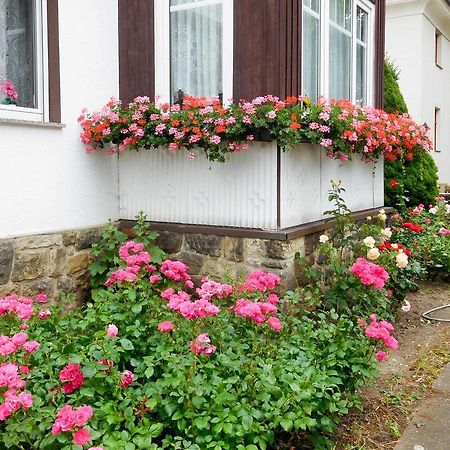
53,61
380,11
136,49
266,48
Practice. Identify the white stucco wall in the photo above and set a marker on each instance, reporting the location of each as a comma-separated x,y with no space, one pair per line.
410,44
47,181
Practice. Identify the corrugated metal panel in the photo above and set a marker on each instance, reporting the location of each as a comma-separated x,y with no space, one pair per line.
169,187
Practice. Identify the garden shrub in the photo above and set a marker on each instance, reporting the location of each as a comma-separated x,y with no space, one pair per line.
407,182
410,183
154,362
426,230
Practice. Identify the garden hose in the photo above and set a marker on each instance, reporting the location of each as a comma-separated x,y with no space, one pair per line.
426,314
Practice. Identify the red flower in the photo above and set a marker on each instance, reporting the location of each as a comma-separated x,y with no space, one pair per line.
72,377
294,125
394,183
412,227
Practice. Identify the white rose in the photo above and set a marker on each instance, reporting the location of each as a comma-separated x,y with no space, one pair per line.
369,241
336,182
323,238
387,233
394,246
433,210
401,260
406,307
373,254
369,218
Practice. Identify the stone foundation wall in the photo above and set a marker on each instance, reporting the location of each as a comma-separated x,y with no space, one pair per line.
48,263
222,256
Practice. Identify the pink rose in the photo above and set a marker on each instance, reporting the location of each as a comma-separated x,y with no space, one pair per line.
19,338
381,356
82,436
165,326
112,331
154,278
275,323
127,379
42,298
44,314
31,346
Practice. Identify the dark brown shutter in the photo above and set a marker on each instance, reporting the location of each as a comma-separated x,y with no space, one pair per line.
266,48
380,11
136,49
53,61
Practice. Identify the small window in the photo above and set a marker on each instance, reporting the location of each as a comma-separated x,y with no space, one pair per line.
438,48
21,59
195,57
437,130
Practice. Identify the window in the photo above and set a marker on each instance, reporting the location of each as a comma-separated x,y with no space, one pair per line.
437,130
22,77
194,42
336,49
438,48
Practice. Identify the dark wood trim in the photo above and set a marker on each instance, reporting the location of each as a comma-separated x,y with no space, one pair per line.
281,235
267,37
136,49
380,12
54,94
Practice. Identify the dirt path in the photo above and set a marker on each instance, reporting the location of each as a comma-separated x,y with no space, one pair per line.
405,379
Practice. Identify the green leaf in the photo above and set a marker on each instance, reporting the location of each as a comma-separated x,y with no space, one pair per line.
126,344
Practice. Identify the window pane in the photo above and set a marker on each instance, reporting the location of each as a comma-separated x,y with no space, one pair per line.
17,52
341,13
340,64
361,56
312,4
362,18
310,55
196,51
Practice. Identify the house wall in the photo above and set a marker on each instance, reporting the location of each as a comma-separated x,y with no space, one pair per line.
47,181
410,44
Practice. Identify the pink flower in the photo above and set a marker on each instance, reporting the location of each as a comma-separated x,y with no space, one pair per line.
381,356
127,379
370,274
273,298
275,323
72,377
25,399
82,415
165,326
155,278
82,436
406,307
19,338
42,298
44,314
112,331
202,344
31,346
25,370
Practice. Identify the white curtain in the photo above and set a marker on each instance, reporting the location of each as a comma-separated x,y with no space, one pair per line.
196,49
17,48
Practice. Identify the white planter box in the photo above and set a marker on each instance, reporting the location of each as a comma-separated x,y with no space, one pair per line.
261,188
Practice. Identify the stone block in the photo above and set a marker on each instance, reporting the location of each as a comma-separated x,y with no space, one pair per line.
193,260
311,240
6,260
39,241
204,244
169,242
69,238
79,262
233,248
8,289
43,285
254,249
275,263
57,261
65,284
29,265
86,238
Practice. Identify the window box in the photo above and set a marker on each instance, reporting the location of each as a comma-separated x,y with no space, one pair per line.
261,188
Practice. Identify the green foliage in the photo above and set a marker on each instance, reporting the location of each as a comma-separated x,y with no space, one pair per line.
417,181
393,98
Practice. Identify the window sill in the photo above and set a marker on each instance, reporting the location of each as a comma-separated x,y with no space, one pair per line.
31,123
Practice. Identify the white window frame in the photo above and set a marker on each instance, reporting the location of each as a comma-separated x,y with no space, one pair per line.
41,112
162,47
324,66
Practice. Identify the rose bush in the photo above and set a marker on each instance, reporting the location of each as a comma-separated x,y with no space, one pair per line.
155,361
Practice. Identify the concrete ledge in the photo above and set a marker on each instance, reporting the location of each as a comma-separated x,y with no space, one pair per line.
32,123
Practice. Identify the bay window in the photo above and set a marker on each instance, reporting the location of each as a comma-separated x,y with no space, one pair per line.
336,49
194,48
22,74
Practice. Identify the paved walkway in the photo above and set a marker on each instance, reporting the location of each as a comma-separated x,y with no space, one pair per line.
430,426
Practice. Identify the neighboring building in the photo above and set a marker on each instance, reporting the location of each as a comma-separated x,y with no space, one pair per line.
418,43
67,55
